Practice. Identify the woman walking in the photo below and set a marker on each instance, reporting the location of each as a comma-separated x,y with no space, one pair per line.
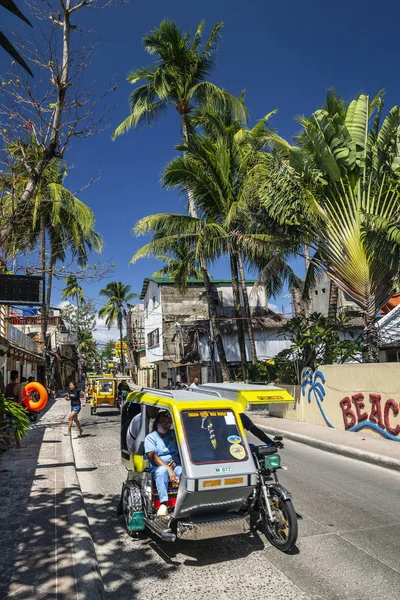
13,391
74,396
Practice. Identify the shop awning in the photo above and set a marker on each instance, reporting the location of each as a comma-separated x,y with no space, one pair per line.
31,355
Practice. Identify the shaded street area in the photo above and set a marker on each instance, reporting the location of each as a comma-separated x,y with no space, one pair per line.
44,542
348,528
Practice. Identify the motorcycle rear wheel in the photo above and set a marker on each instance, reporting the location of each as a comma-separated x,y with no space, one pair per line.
282,533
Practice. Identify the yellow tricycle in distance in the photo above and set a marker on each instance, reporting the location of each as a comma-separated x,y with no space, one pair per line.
104,394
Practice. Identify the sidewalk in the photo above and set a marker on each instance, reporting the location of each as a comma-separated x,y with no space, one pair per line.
45,543
366,447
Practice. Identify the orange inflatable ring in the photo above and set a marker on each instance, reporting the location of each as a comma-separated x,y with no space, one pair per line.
43,396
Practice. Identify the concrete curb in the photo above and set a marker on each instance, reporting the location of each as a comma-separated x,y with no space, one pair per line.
89,583
369,457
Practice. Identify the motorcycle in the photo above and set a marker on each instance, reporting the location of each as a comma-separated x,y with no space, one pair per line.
277,517
121,398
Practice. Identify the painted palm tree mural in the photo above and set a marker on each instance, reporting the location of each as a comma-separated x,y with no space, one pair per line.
315,383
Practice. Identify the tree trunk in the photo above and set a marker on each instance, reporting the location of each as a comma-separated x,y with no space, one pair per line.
371,332
185,136
307,257
247,312
49,287
43,320
333,301
215,325
77,335
297,302
332,315
307,304
238,313
120,339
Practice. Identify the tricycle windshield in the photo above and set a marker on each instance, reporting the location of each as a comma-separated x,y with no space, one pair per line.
213,436
105,387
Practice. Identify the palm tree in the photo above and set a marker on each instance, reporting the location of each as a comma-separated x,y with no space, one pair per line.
171,229
5,43
108,350
180,264
63,223
178,77
87,346
60,222
219,169
340,184
114,311
73,290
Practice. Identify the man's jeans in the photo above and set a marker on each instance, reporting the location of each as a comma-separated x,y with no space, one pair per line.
161,477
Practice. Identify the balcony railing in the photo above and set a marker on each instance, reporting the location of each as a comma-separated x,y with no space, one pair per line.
22,340
33,320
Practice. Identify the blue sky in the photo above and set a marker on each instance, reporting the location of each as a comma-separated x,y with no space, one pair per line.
285,54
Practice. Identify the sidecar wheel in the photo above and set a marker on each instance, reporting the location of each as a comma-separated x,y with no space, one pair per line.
131,502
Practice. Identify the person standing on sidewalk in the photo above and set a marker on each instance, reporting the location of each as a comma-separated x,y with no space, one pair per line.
74,396
13,391
194,384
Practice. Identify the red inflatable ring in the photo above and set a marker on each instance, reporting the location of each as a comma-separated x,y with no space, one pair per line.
43,396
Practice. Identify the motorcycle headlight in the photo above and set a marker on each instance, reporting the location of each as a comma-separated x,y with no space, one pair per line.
273,461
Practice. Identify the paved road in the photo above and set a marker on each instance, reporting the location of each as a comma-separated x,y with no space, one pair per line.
348,536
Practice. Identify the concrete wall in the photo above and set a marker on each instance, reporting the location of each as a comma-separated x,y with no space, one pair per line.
268,344
352,397
256,295
180,310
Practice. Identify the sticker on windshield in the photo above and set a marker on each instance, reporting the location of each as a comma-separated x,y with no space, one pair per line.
230,418
234,439
237,451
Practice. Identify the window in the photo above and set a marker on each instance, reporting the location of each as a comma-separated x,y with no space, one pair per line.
146,309
218,297
153,299
213,436
392,356
153,338
323,290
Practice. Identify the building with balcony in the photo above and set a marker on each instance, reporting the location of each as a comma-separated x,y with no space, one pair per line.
24,333
18,350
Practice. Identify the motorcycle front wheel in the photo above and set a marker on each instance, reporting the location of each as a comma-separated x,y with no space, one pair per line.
282,532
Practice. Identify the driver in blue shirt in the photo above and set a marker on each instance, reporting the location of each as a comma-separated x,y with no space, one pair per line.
162,450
